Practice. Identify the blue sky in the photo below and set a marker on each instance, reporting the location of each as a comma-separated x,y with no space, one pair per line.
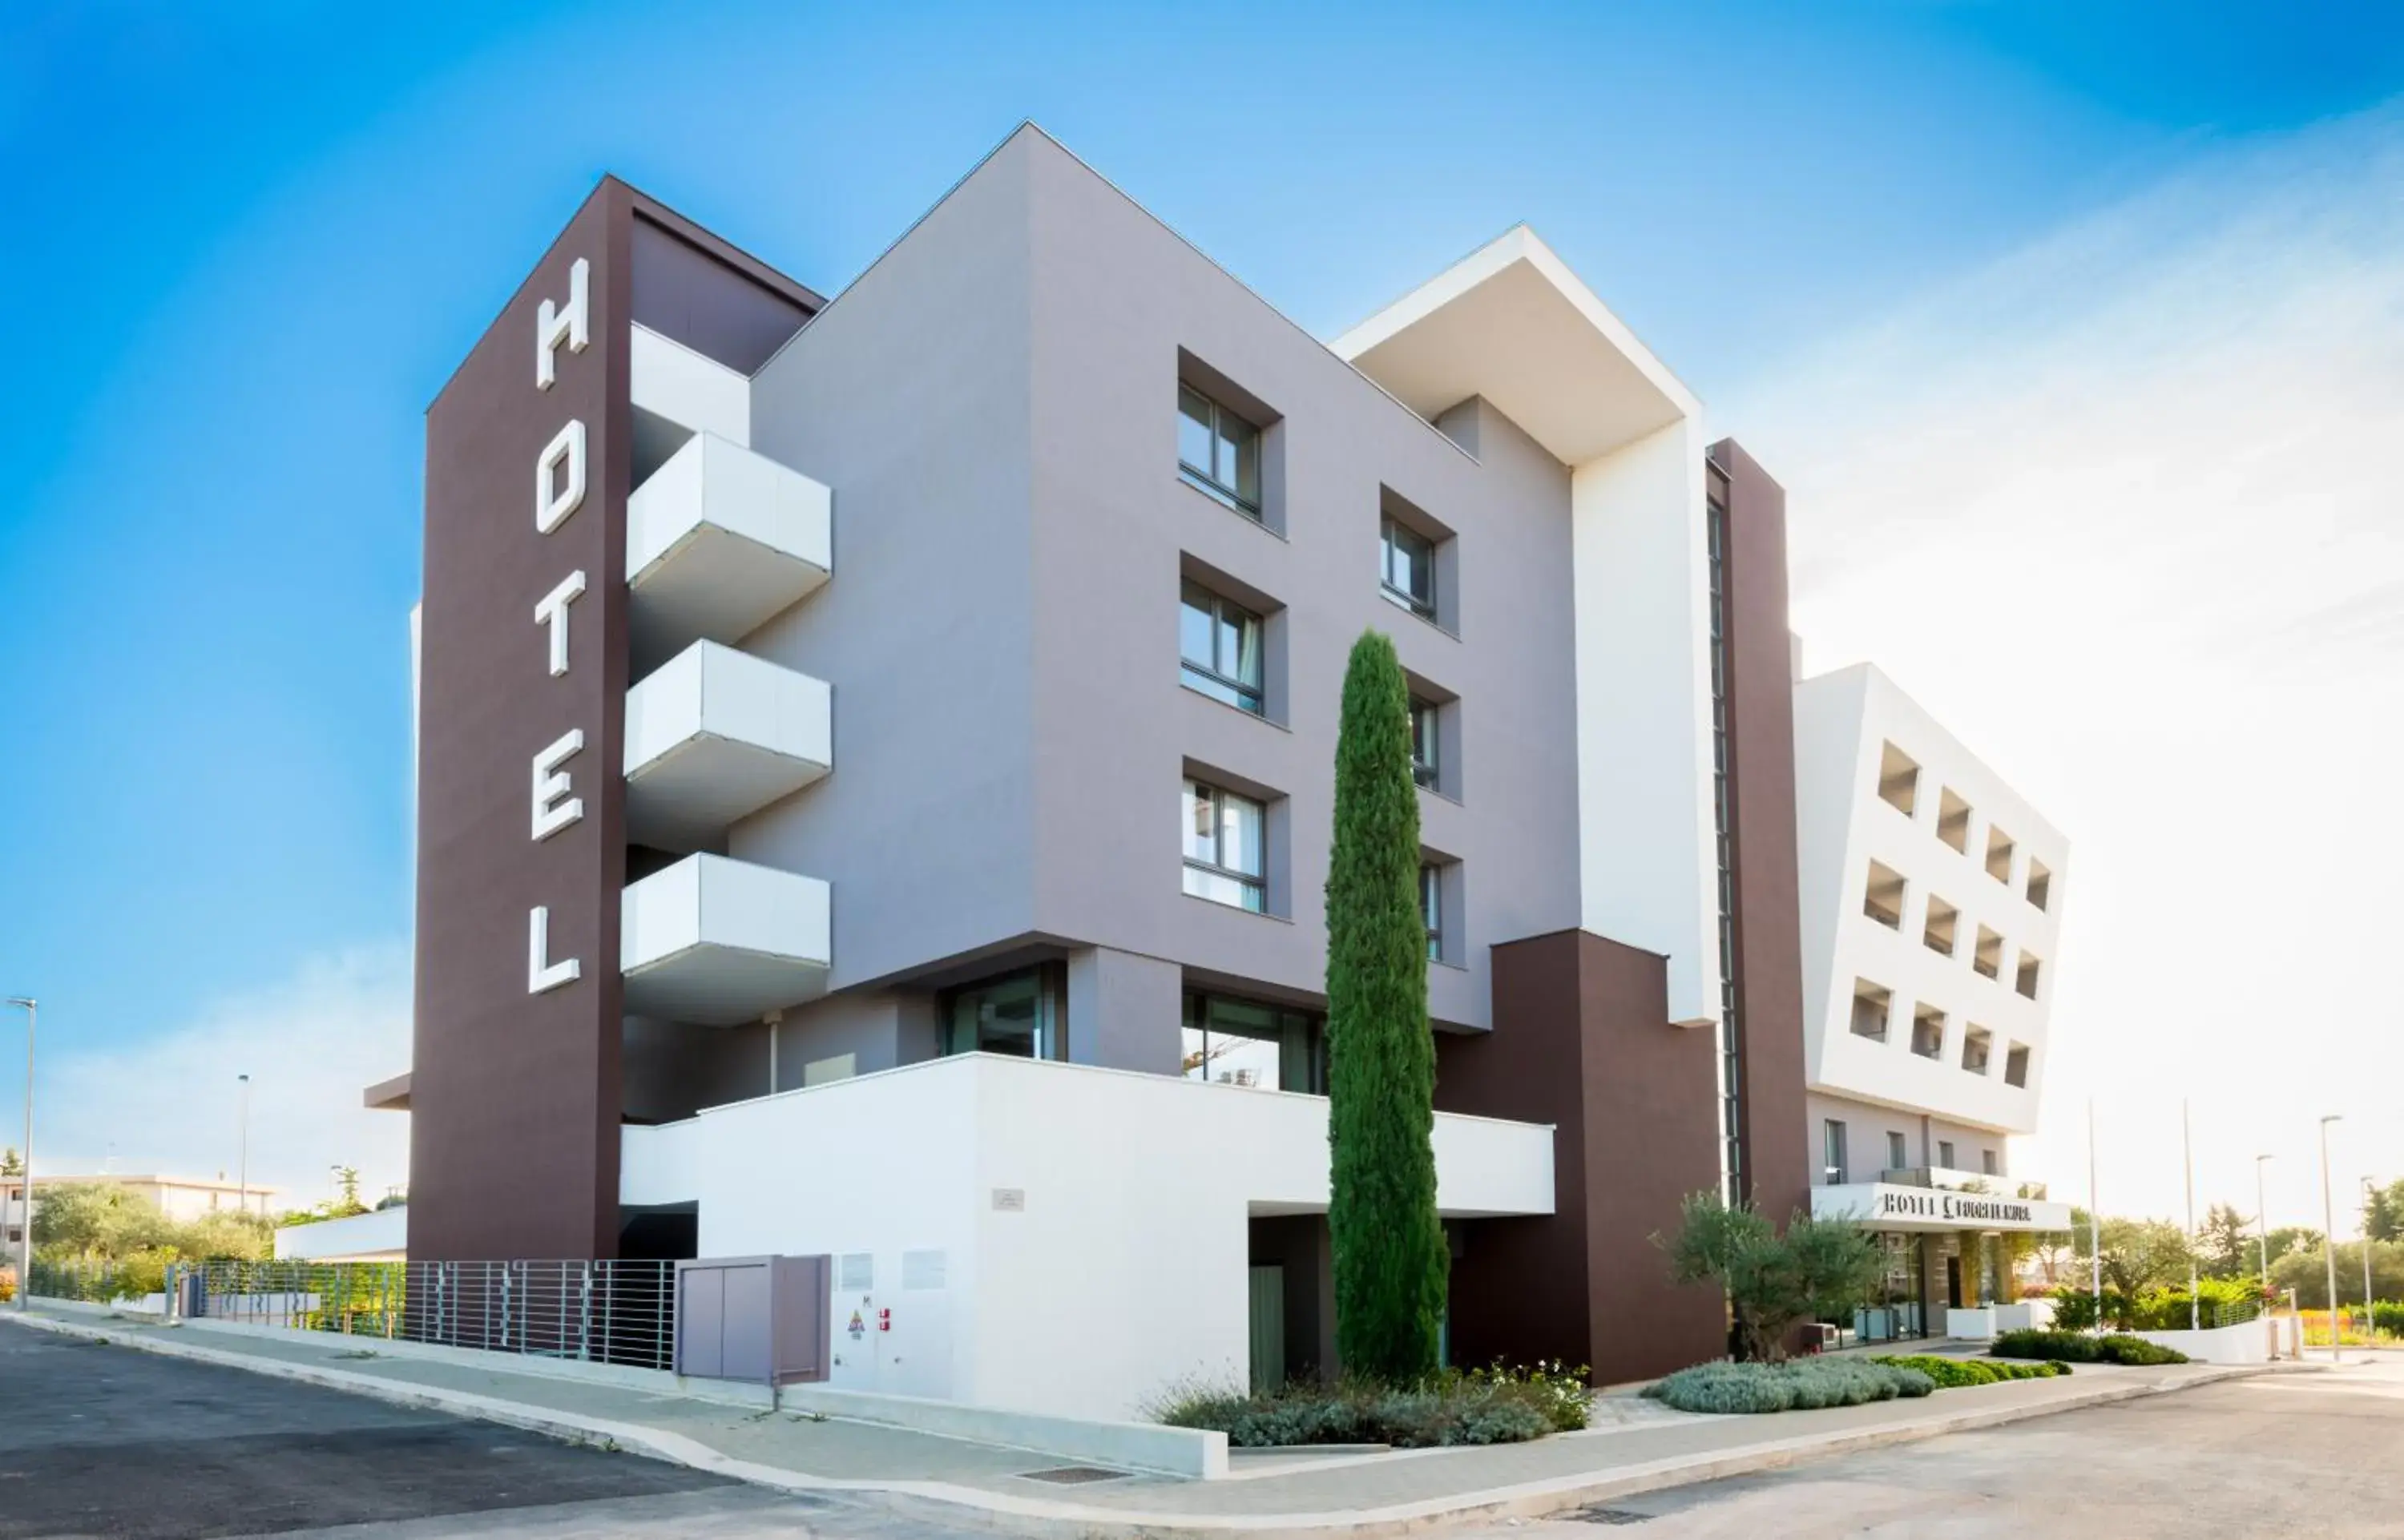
249,243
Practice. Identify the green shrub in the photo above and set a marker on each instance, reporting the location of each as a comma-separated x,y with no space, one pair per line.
1496,1406
1955,1373
1558,1392
2077,1347
1798,1385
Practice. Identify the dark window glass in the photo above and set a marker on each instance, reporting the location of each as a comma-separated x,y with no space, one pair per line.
1407,561
1220,643
1431,906
1233,1041
1224,839
1426,767
1017,1015
1218,452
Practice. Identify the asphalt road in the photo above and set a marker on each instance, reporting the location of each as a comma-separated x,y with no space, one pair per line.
98,1440
2319,1454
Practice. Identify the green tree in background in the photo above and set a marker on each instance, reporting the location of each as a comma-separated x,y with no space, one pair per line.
2306,1271
2383,1211
1390,1260
11,1163
2138,1254
2224,1244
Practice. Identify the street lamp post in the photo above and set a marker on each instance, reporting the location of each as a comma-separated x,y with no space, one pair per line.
2328,1232
241,1163
2370,1317
2194,1264
2262,1220
25,1206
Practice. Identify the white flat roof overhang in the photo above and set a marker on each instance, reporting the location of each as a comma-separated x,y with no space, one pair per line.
1513,324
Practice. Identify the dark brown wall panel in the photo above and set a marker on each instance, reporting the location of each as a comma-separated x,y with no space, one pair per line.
514,1096
1761,752
1581,1040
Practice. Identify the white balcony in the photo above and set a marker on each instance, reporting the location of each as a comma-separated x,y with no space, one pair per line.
718,942
714,734
718,540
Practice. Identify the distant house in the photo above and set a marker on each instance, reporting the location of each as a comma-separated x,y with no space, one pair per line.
181,1198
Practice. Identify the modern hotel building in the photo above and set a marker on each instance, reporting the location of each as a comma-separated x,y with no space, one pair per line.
805,689
1932,910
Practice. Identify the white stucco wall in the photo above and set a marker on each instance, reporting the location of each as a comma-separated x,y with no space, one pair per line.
1842,721
1092,1223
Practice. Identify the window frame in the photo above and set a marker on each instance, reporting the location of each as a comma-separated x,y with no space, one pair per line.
1431,906
1254,885
1402,598
1251,698
1898,1151
1836,1164
1205,479
1298,1031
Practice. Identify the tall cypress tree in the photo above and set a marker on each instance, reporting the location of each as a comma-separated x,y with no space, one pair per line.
1390,1260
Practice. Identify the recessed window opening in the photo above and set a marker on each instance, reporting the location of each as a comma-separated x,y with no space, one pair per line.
1928,1031
1999,855
1431,907
2040,883
1220,645
2026,982
1899,780
1218,453
1953,821
2015,1065
1944,919
1406,567
1871,1004
1882,896
1897,1156
1989,957
1988,1164
1225,836
1831,1154
1978,1047
1945,1153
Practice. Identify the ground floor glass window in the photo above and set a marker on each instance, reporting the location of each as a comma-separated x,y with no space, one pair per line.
1233,1041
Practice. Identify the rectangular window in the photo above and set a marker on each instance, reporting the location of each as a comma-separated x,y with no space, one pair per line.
1899,780
1945,1153
1431,907
1989,958
1225,836
1977,1048
1882,896
1018,1014
2040,883
1241,1043
1219,643
2026,982
1406,567
1928,1031
1832,1153
1426,745
1987,1163
1871,1005
1218,453
2015,1065
1953,821
1999,855
1897,1156
1937,935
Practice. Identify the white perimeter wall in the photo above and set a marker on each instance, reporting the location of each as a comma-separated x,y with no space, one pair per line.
1125,1270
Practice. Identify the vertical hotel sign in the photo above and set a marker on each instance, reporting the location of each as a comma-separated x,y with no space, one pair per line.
561,479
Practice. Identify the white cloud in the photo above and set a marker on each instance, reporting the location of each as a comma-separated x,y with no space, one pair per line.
311,1044
2126,511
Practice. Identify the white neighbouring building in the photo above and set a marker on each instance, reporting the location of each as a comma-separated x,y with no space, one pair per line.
1931,912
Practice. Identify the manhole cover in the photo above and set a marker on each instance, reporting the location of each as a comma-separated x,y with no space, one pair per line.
1600,1515
1073,1475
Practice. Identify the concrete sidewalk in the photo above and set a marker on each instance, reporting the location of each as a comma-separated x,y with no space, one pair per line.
1636,1446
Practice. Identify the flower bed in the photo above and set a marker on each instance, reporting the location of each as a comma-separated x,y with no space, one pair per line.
1959,1373
1799,1385
1496,1406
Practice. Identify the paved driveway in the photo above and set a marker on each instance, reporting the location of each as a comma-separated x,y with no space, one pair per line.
2317,1454
98,1440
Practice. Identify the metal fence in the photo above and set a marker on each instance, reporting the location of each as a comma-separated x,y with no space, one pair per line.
597,1312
